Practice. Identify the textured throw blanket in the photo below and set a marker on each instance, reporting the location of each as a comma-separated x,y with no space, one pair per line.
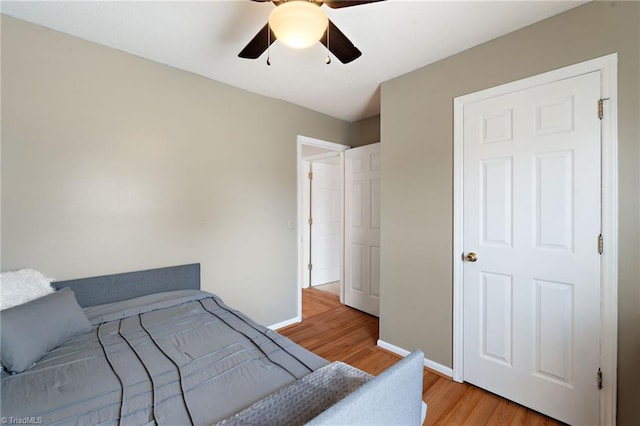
303,400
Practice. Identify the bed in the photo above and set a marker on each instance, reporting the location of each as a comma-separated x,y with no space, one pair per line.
155,349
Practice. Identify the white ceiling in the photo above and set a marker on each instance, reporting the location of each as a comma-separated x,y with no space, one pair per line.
395,37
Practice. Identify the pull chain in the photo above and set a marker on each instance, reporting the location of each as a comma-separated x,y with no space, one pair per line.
328,60
268,45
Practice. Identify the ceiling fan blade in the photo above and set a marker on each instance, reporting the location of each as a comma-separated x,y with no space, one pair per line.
258,44
340,45
337,4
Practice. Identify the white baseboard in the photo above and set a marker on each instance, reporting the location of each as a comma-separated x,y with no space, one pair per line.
427,362
285,323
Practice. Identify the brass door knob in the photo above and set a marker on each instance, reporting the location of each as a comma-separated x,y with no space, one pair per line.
471,257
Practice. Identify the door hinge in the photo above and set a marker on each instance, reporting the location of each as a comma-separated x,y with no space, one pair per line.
599,378
601,107
310,175
309,266
310,221
600,244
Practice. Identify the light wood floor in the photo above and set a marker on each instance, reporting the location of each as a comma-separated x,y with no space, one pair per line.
339,333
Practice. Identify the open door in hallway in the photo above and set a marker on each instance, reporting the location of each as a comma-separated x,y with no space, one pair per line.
362,228
325,221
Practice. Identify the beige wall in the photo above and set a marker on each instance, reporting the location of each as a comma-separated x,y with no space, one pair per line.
365,131
417,175
114,163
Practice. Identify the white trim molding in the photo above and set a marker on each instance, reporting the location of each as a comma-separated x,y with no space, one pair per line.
444,370
286,323
607,65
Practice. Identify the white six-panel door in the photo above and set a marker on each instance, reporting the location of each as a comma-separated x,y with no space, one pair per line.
362,228
326,216
532,218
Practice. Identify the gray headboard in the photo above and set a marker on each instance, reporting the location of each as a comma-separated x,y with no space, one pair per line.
114,288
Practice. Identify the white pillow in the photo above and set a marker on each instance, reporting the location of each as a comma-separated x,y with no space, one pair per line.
18,287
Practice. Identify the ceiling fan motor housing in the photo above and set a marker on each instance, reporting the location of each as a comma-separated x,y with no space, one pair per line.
324,30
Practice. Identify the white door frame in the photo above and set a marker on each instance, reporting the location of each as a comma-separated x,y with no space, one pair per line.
608,66
305,140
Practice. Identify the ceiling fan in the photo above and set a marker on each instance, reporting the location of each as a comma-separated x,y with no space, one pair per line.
326,31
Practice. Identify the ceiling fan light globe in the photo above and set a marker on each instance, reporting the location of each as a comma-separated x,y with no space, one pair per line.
298,23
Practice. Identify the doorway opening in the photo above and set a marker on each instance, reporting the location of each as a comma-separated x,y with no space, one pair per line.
322,205
320,230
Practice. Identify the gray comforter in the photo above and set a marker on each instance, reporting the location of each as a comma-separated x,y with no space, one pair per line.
170,358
